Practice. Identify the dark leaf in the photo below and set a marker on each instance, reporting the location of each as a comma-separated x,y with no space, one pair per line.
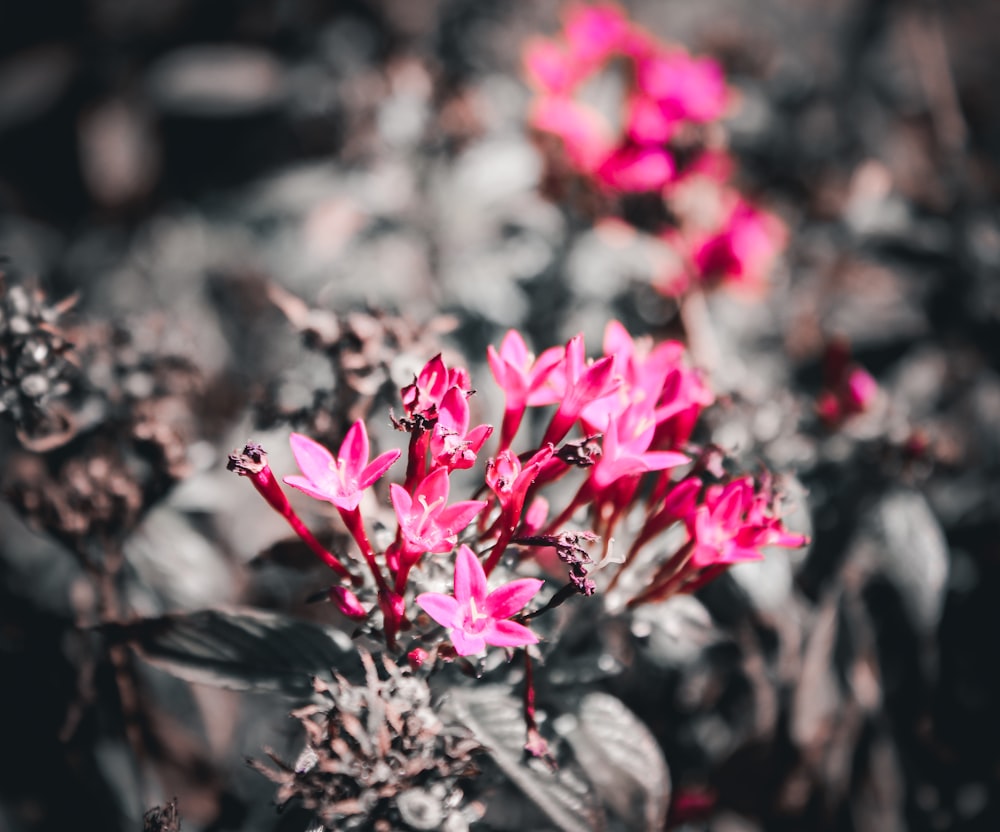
623,761
496,719
240,649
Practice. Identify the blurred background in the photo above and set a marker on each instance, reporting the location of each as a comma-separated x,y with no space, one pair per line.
172,162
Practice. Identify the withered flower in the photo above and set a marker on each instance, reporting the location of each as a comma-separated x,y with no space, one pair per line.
377,756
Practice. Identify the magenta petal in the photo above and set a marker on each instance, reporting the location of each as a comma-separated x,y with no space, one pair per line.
467,645
703,556
478,436
401,501
433,488
508,599
442,608
508,634
312,458
470,579
378,467
354,449
453,412
455,518
307,486
658,460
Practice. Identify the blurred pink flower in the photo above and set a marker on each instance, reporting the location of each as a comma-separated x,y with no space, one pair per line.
743,250
474,618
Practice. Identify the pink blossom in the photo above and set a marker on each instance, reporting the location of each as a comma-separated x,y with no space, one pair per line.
427,522
474,618
510,480
453,445
596,32
733,523
683,88
423,397
523,379
586,137
860,390
578,382
625,450
647,375
636,168
744,250
340,480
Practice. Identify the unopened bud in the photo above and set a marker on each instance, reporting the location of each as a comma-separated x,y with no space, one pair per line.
347,602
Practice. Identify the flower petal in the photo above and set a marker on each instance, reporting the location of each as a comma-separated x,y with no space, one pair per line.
401,501
377,467
433,488
455,518
307,486
312,458
508,634
466,644
442,608
470,579
508,599
354,450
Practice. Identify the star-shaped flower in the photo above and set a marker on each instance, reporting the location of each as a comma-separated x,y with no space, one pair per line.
342,479
474,618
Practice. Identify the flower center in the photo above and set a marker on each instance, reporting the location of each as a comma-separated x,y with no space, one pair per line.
475,621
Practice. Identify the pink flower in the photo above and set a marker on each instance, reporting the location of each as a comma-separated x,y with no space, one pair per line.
594,33
860,390
510,481
428,524
423,397
342,479
577,383
636,169
744,250
523,379
733,523
625,450
684,88
474,618
585,135
453,445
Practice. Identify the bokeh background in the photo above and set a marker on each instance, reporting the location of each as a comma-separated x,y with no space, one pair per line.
174,161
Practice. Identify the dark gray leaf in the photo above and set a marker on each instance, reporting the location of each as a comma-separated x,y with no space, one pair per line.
908,548
622,759
495,718
240,649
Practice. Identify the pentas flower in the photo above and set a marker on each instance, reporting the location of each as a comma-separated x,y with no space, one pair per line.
625,450
343,478
665,88
427,522
681,87
577,383
744,249
732,524
475,618
453,445
423,397
523,379
643,370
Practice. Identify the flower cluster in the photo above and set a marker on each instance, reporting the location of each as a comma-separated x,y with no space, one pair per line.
622,116
619,430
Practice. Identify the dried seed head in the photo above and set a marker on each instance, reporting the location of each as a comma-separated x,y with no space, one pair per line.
377,755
